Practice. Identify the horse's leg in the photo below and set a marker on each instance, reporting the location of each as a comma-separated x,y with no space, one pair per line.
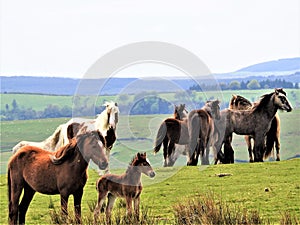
110,204
129,206
248,142
101,198
165,146
277,146
77,205
259,148
136,203
15,190
27,197
64,205
171,148
107,152
228,150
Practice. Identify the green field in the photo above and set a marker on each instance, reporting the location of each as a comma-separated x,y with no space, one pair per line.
40,102
245,187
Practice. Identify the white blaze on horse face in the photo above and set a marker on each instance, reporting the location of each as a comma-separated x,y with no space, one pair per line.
282,104
112,119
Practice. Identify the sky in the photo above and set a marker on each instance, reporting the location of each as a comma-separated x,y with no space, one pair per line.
63,38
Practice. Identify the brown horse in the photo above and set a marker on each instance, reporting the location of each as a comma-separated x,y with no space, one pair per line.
170,137
127,185
61,172
201,131
255,122
238,102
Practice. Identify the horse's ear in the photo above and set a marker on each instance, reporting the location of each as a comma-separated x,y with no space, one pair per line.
116,104
72,130
138,155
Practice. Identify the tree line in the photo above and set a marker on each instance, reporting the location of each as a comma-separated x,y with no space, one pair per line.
250,85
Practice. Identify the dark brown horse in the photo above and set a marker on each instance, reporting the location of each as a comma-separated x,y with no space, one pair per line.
255,122
63,172
172,131
238,102
201,131
127,185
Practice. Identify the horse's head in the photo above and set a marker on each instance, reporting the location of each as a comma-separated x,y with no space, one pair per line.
213,107
112,111
91,144
143,165
281,101
180,112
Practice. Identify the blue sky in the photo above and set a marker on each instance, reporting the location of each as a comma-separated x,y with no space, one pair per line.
65,37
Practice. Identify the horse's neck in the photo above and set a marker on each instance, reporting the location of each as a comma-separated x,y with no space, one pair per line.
132,176
80,163
270,109
208,110
102,123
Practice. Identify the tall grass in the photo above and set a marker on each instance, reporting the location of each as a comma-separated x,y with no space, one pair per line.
118,217
209,210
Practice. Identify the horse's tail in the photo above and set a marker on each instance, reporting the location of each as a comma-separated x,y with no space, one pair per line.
194,130
9,187
161,134
271,137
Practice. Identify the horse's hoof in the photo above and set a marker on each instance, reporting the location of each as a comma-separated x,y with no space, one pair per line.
251,161
278,159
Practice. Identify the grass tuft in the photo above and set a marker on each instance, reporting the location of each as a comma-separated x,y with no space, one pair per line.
207,210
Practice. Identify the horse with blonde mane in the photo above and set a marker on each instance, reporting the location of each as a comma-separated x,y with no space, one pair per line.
105,121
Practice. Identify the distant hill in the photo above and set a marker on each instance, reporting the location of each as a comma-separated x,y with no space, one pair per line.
287,69
291,64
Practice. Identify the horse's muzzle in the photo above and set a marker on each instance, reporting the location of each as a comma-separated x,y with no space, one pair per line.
152,174
103,165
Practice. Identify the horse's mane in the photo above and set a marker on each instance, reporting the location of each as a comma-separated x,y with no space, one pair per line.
64,152
262,102
238,99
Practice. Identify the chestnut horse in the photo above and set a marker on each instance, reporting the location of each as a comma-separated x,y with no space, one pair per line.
238,102
256,122
170,148
201,131
127,185
61,172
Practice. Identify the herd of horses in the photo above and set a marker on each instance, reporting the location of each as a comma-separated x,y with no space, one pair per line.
58,165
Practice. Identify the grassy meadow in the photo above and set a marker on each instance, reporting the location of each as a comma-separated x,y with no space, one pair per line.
244,189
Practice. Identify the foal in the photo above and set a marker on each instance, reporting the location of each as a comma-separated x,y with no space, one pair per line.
62,172
127,185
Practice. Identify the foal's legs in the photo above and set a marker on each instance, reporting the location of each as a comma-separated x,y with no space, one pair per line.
27,197
101,198
110,204
77,205
129,206
136,203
